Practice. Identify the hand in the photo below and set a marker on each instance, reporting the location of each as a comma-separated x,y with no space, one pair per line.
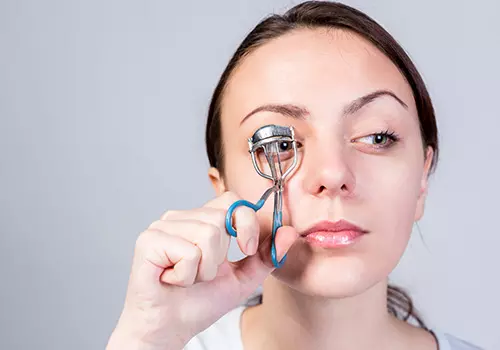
181,281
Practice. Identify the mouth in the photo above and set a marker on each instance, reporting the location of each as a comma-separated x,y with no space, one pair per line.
328,234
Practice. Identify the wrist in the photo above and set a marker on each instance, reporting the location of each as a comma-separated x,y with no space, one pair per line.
130,338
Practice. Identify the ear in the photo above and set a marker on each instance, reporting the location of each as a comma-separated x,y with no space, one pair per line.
424,184
217,181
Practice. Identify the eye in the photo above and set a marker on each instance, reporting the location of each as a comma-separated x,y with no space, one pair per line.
285,146
381,139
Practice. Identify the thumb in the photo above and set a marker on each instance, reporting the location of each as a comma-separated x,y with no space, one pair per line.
252,270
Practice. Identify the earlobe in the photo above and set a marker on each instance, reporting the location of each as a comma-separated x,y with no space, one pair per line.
217,181
424,184
427,168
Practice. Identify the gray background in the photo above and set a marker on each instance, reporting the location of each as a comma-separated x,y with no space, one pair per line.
103,105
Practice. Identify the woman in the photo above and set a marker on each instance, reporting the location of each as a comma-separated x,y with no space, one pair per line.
367,138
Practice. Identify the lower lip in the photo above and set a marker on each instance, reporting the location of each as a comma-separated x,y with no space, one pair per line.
328,239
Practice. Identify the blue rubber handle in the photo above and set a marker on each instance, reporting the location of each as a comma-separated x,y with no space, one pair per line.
232,208
277,223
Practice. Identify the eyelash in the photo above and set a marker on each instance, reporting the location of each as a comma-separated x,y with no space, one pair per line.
391,135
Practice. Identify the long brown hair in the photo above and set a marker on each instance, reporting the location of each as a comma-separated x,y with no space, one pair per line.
323,14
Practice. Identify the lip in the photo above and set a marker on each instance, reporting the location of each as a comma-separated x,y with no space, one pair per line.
328,234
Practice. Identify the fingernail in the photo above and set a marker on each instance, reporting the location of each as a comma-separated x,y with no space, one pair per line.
251,247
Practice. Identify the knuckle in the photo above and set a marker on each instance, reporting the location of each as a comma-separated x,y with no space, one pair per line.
211,234
167,214
156,224
143,241
211,241
219,215
215,216
193,254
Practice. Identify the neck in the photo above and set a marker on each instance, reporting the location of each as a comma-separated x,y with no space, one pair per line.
288,319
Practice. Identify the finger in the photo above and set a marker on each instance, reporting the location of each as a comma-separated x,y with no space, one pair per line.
158,254
252,270
185,270
212,243
221,202
214,216
244,221
247,227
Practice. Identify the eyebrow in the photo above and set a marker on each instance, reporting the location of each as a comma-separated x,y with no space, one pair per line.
288,110
359,103
298,112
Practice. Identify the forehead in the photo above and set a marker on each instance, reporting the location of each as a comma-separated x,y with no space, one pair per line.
322,69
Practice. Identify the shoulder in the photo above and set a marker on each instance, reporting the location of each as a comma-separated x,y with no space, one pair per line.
449,342
225,333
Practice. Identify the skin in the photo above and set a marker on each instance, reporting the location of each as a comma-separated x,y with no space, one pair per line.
330,298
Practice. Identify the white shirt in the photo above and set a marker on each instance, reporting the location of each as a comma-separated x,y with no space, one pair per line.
225,334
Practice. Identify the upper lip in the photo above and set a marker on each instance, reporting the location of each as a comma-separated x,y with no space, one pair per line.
330,226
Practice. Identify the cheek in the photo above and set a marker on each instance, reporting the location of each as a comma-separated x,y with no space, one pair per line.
392,188
390,197
387,191
384,196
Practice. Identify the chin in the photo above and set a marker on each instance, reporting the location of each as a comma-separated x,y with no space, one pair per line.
334,273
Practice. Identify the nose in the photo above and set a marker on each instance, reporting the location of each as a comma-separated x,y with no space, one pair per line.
327,170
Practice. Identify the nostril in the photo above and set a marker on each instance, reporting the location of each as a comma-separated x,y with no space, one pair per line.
323,188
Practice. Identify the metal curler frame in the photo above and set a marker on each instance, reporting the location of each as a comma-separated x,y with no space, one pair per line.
263,138
267,138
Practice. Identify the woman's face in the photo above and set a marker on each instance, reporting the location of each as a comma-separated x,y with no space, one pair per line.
344,171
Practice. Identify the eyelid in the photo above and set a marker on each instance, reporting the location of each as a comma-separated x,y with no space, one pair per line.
391,135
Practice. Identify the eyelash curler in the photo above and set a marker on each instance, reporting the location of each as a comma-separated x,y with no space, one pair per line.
270,142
